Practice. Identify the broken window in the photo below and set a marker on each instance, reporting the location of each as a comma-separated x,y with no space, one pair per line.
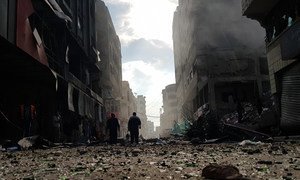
80,19
87,77
70,97
283,15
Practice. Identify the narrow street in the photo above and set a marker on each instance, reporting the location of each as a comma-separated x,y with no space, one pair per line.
174,160
203,89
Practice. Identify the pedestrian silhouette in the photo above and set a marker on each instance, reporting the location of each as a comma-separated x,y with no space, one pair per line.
113,126
134,124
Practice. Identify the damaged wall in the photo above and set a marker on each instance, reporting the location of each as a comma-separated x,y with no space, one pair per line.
28,37
169,116
54,53
108,44
214,43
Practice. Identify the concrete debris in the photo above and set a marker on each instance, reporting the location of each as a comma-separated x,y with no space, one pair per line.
207,126
249,125
1,148
34,142
252,119
9,146
239,132
248,142
212,161
27,142
215,171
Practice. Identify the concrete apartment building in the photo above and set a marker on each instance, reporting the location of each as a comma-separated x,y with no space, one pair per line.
281,20
169,115
219,57
109,47
150,130
128,106
49,58
141,113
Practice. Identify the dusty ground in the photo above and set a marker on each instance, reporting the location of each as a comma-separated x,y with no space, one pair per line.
177,161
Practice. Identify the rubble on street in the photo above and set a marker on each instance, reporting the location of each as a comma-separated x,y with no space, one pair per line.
248,125
151,161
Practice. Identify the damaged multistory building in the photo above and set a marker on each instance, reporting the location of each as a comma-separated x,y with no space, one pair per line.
280,19
108,43
128,106
219,57
50,61
169,116
141,113
131,103
150,130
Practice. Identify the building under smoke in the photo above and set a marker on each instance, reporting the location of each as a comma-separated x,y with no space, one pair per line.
219,57
108,43
280,18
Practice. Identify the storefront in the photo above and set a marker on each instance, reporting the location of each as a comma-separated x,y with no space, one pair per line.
23,78
290,99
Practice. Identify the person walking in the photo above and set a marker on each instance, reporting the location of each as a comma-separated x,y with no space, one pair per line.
113,126
134,124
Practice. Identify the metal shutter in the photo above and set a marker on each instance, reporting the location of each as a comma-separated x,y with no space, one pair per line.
290,99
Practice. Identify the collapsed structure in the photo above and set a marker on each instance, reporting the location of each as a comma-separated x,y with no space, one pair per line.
280,19
219,57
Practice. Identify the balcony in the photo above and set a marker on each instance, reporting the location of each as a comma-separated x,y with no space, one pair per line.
290,42
257,9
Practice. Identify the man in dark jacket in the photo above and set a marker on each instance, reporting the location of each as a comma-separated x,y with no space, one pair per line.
134,124
113,126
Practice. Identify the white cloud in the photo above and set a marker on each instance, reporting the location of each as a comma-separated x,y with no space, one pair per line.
145,79
152,19
149,19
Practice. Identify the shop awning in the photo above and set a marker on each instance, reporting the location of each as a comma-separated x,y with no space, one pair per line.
18,66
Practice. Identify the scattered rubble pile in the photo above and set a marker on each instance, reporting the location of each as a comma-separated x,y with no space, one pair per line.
250,124
213,161
249,116
206,127
252,119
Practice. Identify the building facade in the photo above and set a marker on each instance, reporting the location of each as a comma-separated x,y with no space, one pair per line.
128,106
141,113
108,44
50,59
280,19
219,59
169,115
150,130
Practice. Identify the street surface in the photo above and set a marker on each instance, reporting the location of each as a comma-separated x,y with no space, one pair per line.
152,161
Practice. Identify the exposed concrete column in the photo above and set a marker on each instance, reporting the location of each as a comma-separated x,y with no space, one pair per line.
211,94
